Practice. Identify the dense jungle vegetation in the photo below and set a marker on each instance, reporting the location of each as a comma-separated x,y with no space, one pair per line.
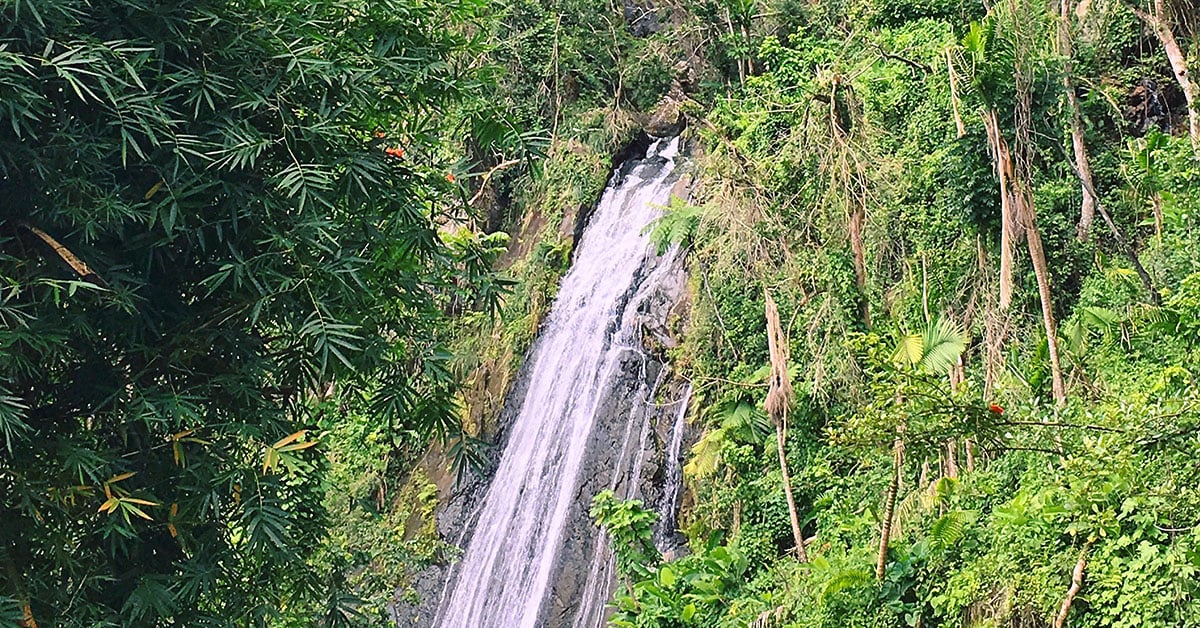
268,268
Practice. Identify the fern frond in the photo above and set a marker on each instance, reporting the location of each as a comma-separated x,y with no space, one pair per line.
949,529
845,579
706,454
1146,316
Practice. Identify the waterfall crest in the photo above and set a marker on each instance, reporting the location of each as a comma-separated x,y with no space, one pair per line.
585,422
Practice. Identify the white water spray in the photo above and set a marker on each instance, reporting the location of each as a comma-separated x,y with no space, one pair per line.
503,580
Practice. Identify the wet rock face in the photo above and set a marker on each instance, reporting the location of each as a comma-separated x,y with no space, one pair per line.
617,446
667,119
456,519
625,453
641,17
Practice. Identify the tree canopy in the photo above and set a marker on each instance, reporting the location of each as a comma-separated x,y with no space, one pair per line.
214,216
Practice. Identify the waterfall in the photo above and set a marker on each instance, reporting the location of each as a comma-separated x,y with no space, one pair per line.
674,477
585,421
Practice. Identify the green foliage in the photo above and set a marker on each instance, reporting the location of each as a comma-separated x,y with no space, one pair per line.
1185,302
1103,474
692,591
632,530
213,217
239,291
677,225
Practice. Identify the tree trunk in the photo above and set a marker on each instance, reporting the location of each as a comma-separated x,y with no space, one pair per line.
1179,66
1083,162
1038,256
858,248
797,533
778,399
889,509
1027,216
1009,226
1076,584
957,377
1160,23
959,126
1156,206
952,459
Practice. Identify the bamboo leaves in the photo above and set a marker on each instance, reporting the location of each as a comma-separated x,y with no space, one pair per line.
275,454
120,501
265,269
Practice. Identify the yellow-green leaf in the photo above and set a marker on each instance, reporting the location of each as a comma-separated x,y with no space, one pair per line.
288,439
117,478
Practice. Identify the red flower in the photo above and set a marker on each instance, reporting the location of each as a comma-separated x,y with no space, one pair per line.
996,409
450,177
396,152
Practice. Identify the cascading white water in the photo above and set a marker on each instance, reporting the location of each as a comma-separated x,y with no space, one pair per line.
503,580
673,475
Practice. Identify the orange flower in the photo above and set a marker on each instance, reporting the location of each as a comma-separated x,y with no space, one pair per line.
996,409
396,152
380,134
450,177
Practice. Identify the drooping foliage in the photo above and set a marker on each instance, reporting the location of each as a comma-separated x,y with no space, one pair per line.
213,217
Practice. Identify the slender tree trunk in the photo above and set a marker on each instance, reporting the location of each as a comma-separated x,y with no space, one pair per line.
1159,21
957,377
952,459
992,333
741,66
1038,256
889,509
1027,216
1076,584
1083,162
1156,205
1179,66
797,533
1002,160
859,250
959,126
778,400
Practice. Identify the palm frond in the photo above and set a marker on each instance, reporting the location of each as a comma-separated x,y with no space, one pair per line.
935,350
909,350
943,342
